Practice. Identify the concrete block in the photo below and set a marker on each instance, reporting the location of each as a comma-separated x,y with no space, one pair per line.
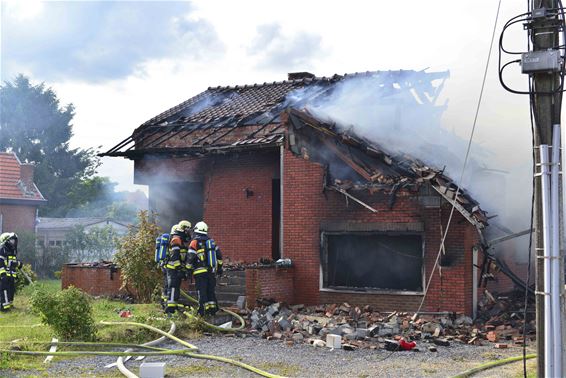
241,302
334,341
152,370
361,333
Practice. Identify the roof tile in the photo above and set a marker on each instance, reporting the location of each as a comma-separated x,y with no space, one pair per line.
11,185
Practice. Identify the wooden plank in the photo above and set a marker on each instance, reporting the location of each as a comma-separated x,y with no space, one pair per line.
346,159
53,348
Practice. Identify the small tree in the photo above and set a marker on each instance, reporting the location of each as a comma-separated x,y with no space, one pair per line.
68,312
135,258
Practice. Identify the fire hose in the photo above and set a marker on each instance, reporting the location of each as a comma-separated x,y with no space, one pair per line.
212,326
190,351
153,351
492,364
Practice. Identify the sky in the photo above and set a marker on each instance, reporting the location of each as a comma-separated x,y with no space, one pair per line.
121,63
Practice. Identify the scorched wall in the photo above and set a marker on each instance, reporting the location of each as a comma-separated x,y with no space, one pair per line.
307,207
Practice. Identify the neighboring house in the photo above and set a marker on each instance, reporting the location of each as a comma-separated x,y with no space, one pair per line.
360,225
52,232
19,196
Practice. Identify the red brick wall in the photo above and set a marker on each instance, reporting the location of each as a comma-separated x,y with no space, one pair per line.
240,225
92,280
306,206
272,283
18,218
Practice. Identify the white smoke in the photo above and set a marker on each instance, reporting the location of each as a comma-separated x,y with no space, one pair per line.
395,113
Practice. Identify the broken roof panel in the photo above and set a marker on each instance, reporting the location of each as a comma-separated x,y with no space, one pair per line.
380,168
202,121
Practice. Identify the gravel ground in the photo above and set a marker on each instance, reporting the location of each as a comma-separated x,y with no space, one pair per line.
299,360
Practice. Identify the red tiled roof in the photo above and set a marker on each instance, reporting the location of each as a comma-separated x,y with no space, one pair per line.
11,184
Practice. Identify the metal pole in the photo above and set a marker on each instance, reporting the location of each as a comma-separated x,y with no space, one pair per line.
555,262
546,111
545,197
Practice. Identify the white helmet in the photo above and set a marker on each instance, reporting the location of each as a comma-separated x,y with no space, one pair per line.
184,225
201,228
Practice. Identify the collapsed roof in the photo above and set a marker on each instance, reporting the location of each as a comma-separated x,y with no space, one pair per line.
375,168
248,116
251,117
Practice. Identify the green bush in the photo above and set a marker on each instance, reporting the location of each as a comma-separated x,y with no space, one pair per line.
135,257
68,312
21,280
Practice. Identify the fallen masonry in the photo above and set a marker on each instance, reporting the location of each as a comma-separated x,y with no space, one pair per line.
353,327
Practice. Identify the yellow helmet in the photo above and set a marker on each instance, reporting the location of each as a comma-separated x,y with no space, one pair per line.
184,225
201,228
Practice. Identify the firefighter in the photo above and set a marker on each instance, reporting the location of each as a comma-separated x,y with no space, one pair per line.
162,242
205,260
8,265
175,266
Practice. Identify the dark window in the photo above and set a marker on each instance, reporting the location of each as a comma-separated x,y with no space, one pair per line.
361,261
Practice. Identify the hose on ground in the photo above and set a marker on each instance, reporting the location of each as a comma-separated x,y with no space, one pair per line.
212,326
190,351
120,362
492,364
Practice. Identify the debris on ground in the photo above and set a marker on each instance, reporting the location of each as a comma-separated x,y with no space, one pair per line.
500,321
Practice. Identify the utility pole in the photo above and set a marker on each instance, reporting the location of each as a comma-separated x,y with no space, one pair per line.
546,103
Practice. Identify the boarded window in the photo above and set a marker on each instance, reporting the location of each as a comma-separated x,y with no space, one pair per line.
372,261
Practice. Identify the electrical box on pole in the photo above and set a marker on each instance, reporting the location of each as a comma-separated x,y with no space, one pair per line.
544,63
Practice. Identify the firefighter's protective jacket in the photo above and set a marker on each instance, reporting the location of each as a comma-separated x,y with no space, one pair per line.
204,256
8,261
177,251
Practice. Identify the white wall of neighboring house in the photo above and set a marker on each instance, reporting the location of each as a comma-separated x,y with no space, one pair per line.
57,236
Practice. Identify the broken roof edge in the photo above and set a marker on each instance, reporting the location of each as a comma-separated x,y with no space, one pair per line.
306,80
422,173
197,151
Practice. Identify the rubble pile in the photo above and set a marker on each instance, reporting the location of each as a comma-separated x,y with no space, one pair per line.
368,329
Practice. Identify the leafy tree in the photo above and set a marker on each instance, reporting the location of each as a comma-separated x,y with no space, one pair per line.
135,258
37,128
103,201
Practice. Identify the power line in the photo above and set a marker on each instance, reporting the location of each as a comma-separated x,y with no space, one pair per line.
468,149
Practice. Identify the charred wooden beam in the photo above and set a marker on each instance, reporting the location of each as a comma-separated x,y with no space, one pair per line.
348,195
348,160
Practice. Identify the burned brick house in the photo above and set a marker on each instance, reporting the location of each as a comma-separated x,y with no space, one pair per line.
272,180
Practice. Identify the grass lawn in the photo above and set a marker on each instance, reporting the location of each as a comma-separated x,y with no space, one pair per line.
20,323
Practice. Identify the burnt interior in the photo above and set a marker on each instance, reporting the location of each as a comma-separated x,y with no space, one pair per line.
373,261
